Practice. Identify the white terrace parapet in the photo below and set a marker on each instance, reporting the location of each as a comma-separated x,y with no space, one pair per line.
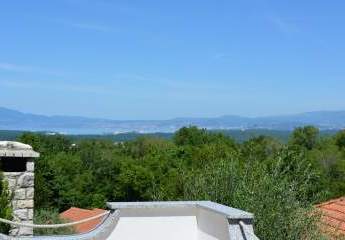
226,211
183,220
200,220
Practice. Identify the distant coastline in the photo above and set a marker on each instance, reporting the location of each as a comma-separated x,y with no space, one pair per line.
15,120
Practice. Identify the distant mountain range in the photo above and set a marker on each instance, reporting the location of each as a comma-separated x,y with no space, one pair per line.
15,120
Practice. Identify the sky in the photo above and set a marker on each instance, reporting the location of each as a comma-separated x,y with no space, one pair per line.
150,59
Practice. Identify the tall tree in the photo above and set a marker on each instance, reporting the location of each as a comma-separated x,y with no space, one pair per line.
306,137
340,139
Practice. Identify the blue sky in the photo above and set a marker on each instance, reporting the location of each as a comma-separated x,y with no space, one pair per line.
162,59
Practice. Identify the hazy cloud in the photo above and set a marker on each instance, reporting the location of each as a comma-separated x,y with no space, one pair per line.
56,86
14,67
92,27
282,25
173,85
26,69
153,80
88,26
219,56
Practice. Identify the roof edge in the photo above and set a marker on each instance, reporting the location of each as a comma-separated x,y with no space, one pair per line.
228,212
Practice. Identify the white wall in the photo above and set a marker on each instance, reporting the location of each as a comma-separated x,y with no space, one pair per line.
212,226
170,224
155,228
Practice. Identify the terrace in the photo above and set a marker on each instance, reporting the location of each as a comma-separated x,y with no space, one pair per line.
199,220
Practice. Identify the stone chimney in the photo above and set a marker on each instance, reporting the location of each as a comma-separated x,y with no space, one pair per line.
17,164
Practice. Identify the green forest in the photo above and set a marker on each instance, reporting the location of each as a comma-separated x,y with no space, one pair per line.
278,181
236,134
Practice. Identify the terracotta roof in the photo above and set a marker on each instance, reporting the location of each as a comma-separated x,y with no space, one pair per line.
333,216
75,214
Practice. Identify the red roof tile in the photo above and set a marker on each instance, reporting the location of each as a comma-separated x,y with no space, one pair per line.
75,214
333,216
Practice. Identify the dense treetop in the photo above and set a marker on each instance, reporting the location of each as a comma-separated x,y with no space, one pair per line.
278,182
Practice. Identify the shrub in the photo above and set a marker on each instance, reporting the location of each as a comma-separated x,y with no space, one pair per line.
279,200
50,216
5,204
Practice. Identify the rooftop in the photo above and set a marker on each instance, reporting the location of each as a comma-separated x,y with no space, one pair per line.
184,220
75,214
333,216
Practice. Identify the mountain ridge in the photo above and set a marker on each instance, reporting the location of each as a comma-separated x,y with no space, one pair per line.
15,120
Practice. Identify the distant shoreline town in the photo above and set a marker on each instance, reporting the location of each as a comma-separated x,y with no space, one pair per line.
15,120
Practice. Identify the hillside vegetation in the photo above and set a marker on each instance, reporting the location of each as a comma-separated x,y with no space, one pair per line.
238,135
277,182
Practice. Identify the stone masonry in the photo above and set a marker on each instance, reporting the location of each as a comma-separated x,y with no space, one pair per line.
21,185
17,165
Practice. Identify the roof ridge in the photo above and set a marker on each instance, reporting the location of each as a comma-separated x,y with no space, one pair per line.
341,199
